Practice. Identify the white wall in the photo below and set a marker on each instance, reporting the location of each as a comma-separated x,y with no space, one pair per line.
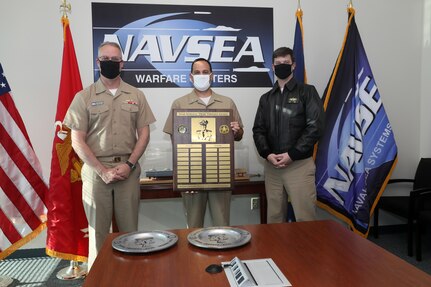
396,35
425,81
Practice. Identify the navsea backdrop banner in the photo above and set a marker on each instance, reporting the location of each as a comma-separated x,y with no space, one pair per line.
159,42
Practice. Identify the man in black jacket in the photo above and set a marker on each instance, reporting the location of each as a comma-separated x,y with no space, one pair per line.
288,122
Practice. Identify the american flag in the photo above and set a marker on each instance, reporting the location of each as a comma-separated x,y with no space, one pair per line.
22,189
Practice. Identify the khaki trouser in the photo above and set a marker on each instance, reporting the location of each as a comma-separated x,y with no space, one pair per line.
298,181
195,205
101,200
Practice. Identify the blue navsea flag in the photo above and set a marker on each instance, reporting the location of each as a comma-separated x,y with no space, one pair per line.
299,74
298,49
357,153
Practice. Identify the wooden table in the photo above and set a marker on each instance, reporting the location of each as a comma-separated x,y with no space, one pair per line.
256,185
318,253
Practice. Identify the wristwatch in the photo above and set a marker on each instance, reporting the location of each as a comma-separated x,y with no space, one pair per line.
131,165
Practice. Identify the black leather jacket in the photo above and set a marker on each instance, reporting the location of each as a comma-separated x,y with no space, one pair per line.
290,122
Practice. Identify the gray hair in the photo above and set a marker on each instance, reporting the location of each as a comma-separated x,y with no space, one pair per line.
107,43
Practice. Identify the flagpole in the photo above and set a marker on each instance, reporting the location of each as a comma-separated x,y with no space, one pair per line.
74,271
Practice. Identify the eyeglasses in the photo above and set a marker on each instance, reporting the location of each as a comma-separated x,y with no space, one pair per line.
113,59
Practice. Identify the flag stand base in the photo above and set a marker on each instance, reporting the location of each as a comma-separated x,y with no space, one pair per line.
73,272
5,281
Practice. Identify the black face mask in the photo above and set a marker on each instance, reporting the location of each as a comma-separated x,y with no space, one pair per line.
110,69
282,71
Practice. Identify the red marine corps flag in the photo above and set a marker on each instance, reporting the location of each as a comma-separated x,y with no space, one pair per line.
67,236
22,190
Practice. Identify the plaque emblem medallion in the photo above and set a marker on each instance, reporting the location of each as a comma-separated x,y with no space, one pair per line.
224,129
182,129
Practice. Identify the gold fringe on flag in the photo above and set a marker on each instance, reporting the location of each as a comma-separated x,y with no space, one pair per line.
14,247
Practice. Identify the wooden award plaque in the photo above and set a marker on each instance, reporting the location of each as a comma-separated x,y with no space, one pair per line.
203,146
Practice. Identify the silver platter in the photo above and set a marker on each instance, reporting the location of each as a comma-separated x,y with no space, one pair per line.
219,237
144,241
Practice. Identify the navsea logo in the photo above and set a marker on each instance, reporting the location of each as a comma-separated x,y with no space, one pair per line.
159,42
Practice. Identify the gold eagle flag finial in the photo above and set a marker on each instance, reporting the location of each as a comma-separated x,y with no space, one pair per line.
65,8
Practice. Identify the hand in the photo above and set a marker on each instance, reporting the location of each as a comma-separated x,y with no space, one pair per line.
279,160
237,131
235,127
284,159
123,170
110,175
273,159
